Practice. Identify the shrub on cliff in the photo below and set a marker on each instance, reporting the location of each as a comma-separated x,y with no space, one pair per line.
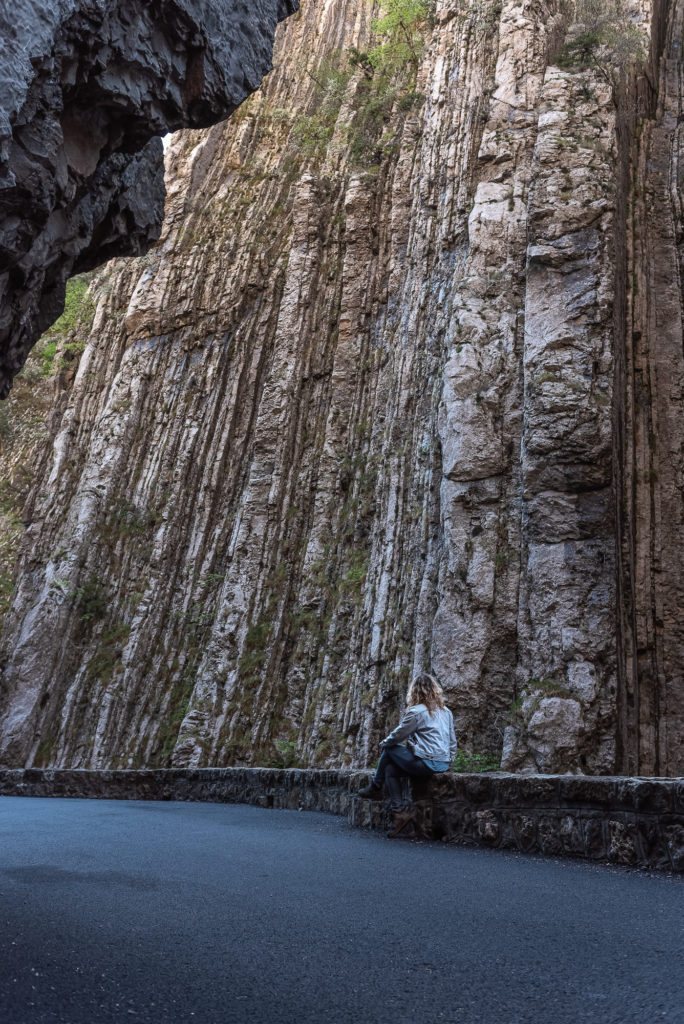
314,132
387,86
604,39
390,70
400,30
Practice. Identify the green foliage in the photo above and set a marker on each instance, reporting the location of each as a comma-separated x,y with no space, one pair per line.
73,348
314,132
47,356
6,591
79,308
116,634
129,521
322,752
547,687
254,653
390,70
46,748
355,576
369,143
388,85
515,710
534,691
502,559
286,754
91,600
102,665
5,425
177,708
197,616
107,658
78,315
485,761
400,29
606,40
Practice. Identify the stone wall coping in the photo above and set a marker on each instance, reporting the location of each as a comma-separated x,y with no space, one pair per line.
346,772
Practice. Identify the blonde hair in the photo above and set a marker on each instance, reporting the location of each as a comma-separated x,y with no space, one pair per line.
425,690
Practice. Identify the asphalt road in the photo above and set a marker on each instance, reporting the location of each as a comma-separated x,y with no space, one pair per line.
114,911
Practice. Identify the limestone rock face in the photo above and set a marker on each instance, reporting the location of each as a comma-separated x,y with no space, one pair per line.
84,86
375,403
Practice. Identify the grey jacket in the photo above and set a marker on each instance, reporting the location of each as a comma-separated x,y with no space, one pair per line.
430,736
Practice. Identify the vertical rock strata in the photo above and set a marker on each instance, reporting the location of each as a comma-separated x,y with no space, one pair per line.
356,415
652,486
567,610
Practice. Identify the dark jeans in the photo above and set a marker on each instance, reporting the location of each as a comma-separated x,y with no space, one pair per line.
395,765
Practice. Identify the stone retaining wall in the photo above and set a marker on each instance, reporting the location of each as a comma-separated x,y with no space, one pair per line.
631,821
287,789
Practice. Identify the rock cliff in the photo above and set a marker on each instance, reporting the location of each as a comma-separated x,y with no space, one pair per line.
399,387
84,86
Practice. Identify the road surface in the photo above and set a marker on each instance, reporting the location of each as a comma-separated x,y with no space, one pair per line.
162,913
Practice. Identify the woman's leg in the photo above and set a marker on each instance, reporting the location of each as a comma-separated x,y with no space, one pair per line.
379,777
408,763
394,781
375,789
401,765
395,765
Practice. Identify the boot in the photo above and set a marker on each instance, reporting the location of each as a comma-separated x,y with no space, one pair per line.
371,792
400,821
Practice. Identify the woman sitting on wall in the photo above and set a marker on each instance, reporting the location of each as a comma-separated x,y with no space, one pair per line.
427,728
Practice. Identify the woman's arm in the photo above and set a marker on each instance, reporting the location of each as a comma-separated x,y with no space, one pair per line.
453,745
407,726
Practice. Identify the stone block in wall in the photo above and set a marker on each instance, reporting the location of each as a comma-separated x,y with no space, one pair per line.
508,837
508,791
679,797
488,827
580,790
595,842
479,789
548,835
367,814
652,844
674,838
451,819
528,790
524,827
643,795
572,834
623,839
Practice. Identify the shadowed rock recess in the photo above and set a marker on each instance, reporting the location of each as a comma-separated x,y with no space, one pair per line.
399,387
84,86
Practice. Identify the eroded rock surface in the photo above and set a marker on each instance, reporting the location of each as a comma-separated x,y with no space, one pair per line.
366,410
84,86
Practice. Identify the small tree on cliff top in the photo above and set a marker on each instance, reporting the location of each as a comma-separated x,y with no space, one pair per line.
605,40
400,30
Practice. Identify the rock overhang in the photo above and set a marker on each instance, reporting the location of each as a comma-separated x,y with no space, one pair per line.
86,88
